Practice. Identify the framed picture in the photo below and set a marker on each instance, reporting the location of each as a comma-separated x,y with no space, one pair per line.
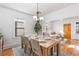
77,27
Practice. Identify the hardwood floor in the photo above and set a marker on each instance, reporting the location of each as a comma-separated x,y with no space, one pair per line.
8,52
70,48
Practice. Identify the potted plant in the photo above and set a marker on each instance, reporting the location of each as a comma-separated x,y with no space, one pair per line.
37,27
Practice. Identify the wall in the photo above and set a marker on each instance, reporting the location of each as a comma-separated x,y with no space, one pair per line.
57,26
56,19
7,26
70,11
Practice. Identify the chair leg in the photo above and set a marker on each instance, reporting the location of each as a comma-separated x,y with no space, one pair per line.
25,48
30,51
21,44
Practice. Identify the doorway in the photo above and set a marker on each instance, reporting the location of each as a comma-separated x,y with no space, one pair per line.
67,32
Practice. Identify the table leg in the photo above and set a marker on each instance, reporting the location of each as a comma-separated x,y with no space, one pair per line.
45,52
57,49
52,51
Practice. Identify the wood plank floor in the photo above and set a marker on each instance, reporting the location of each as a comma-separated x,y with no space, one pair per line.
8,52
70,50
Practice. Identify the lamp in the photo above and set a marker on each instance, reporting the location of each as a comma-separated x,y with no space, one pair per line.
37,17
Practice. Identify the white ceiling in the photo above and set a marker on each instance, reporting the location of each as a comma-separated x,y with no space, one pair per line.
31,8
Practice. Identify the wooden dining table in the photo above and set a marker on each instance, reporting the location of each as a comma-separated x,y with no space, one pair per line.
48,45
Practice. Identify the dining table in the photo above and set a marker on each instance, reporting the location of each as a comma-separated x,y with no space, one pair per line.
47,44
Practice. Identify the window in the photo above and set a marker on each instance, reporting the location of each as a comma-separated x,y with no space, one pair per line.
19,28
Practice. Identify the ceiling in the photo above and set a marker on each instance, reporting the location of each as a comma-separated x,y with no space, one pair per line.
31,8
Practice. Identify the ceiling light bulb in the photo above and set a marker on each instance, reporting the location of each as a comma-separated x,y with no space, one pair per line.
34,17
41,18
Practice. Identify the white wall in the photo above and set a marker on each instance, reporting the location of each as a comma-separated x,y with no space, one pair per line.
60,15
57,26
7,26
70,11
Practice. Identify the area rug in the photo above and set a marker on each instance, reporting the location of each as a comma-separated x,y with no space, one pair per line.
18,51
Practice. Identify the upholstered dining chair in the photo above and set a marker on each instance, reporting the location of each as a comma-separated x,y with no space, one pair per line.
36,49
22,42
28,48
1,45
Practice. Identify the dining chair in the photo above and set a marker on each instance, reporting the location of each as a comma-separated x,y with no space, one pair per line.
36,49
22,42
28,48
1,45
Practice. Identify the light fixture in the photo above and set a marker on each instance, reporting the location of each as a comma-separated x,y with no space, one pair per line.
37,17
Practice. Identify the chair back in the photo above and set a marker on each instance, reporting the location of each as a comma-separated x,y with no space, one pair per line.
28,48
27,42
36,47
22,41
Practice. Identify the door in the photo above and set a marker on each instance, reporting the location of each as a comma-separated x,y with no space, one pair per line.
67,32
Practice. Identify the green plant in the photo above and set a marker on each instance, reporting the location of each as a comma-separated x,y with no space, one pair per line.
37,27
